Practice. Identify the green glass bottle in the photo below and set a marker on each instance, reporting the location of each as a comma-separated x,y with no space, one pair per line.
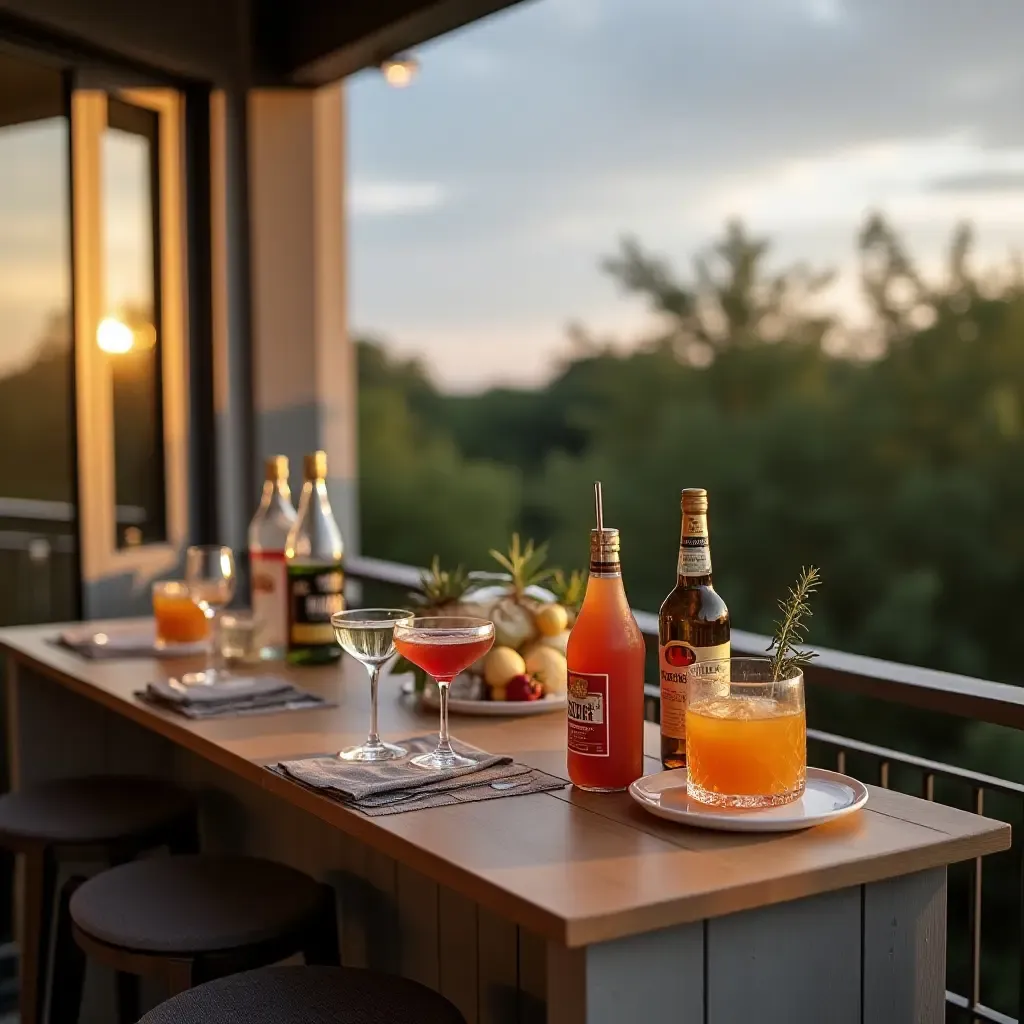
316,579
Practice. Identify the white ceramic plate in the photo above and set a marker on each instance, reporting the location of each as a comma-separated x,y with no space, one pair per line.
495,708
829,795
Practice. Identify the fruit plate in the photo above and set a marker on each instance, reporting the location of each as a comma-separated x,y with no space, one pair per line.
495,708
828,796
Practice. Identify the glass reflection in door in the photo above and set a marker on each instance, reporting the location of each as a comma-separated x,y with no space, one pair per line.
38,520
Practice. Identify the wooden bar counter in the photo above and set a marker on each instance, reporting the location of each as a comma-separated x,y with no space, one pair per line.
565,907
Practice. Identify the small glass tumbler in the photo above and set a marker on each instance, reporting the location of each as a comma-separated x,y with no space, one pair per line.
746,734
176,618
238,641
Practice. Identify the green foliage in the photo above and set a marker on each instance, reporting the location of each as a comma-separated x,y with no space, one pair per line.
899,475
419,497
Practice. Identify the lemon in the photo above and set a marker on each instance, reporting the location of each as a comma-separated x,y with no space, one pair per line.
501,665
548,667
560,641
551,619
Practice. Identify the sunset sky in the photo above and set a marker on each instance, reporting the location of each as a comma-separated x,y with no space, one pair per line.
484,195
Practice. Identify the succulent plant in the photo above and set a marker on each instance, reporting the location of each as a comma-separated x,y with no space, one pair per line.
439,587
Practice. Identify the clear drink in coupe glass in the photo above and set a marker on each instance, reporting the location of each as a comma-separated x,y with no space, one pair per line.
368,635
746,734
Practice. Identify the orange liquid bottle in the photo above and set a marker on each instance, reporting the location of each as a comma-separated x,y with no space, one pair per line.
606,676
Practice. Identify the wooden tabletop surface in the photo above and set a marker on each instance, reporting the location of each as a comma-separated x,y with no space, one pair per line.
576,867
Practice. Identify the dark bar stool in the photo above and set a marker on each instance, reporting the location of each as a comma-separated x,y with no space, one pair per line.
103,819
192,919
307,995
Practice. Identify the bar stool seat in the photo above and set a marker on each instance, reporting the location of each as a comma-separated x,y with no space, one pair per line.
307,995
188,920
191,905
101,819
90,811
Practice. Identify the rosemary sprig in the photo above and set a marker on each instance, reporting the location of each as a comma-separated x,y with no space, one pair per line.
791,629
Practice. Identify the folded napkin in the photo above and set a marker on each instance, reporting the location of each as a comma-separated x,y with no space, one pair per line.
233,695
123,640
390,787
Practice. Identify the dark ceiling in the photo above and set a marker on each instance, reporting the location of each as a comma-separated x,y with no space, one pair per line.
28,91
311,42
237,42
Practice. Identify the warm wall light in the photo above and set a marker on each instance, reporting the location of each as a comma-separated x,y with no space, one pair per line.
400,70
113,336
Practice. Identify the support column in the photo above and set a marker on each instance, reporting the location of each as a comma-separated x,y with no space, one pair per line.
303,359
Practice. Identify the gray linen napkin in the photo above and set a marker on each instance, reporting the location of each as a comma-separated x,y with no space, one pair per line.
121,640
237,695
225,691
392,787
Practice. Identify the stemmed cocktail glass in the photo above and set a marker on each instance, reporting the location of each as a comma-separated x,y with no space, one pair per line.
444,645
368,634
210,577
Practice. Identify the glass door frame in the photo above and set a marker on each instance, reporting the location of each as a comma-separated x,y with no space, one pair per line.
192,470
101,558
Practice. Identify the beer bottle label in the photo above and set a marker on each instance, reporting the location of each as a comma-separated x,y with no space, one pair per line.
675,658
315,593
694,549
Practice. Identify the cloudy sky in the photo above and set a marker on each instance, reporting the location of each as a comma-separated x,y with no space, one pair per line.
483,196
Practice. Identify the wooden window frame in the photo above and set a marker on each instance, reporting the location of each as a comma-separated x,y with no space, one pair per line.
100,556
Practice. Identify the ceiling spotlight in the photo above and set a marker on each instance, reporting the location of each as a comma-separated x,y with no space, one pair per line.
399,70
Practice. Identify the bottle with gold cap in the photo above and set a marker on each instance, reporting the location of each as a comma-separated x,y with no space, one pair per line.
268,536
313,555
606,675
693,625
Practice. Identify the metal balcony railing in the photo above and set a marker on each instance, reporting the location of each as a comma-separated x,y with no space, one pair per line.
974,700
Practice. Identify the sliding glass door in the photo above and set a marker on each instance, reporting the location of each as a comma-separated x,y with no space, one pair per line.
93,404
38,481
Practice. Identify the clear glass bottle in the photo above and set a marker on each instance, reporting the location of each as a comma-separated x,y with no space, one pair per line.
693,624
313,561
268,536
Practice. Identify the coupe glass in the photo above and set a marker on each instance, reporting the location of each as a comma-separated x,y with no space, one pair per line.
443,645
211,579
368,634
746,734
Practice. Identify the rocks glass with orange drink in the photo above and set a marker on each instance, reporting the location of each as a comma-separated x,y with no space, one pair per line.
179,620
746,734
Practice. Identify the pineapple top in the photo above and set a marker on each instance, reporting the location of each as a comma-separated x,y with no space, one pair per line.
524,563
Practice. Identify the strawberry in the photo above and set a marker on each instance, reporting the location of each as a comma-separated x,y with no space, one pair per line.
523,687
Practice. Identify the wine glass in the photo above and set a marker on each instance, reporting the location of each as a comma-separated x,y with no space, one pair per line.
443,645
210,576
368,634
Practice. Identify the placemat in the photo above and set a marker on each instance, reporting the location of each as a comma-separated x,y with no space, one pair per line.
392,787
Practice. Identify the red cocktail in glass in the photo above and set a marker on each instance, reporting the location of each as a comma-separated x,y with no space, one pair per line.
443,646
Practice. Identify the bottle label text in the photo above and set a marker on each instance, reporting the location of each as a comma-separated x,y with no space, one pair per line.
675,658
588,714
